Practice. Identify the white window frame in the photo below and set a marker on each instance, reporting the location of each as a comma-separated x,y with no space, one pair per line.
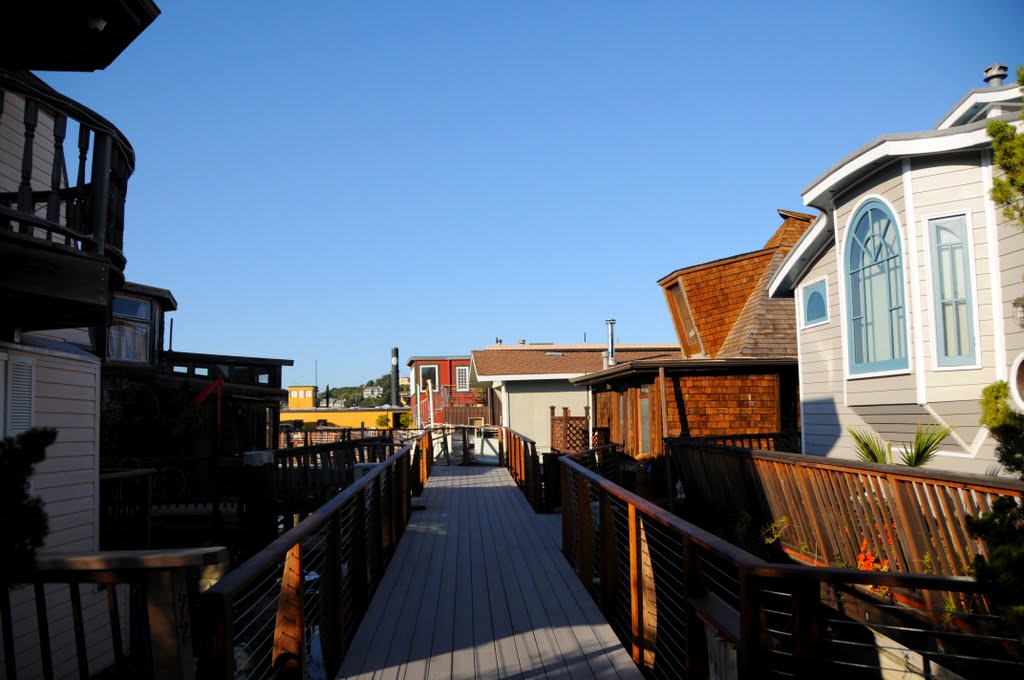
842,245
972,284
464,372
136,321
419,377
803,303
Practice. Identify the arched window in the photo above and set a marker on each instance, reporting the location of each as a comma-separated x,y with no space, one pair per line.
874,275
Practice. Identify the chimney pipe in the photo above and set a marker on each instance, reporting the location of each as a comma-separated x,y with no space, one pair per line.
995,75
611,341
395,399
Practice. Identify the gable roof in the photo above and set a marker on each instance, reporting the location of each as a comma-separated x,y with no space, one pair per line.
728,303
553,362
962,128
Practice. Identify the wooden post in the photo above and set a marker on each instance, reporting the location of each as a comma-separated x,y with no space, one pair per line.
359,561
102,147
332,594
747,649
609,564
170,636
568,511
376,539
217,637
25,203
465,447
693,588
636,595
585,518
806,596
60,126
553,426
289,654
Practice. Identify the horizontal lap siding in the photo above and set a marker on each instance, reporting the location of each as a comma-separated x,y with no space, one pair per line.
66,398
825,416
950,185
942,185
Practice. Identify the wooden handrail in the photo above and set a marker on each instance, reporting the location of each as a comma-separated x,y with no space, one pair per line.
772,614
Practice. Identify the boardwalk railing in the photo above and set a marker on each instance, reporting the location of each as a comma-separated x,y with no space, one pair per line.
689,604
124,613
832,513
293,608
520,455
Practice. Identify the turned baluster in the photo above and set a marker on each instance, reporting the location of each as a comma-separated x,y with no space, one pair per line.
25,204
60,127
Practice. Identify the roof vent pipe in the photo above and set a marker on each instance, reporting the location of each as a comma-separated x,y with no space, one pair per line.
604,359
995,75
611,341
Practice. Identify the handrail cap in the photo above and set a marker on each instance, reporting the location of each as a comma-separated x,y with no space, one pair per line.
131,559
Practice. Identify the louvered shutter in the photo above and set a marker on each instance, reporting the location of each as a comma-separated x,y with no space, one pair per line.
20,393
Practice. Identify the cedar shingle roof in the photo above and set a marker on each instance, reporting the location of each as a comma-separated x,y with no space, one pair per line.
558,359
728,298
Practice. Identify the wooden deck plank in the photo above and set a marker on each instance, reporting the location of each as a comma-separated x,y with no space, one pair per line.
373,638
482,591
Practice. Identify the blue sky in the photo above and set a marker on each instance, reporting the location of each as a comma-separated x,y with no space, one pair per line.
322,180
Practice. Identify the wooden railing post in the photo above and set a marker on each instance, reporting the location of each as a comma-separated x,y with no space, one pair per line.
609,563
806,597
693,588
585,519
376,539
217,638
289,656
568,512
636,590
332,594
748,647
534,478
359,561
170,636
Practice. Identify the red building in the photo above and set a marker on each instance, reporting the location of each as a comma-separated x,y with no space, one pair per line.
439,391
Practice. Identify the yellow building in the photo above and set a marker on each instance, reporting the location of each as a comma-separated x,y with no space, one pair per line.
301,396
301,399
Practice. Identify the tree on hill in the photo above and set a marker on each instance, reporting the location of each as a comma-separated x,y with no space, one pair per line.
351,397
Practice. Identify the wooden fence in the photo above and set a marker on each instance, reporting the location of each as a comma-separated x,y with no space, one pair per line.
690,604
124,612
829,512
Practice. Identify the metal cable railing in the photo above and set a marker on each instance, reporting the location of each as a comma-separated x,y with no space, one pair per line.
294,607
690,604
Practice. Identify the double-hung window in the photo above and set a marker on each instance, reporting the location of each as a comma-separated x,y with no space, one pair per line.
876,313
951,288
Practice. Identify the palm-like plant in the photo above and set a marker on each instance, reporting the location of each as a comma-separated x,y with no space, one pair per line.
926,443
870,449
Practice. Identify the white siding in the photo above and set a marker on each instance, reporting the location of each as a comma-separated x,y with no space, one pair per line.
66,397
889,405
529,403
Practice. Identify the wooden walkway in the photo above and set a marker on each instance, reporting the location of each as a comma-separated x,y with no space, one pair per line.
479,588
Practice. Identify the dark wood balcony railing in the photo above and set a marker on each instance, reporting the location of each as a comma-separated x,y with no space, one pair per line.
125,613
690,604
78,206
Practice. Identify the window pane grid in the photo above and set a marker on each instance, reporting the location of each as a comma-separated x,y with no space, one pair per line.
874,270
951,275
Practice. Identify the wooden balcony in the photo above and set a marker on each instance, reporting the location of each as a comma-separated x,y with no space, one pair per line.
61,223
